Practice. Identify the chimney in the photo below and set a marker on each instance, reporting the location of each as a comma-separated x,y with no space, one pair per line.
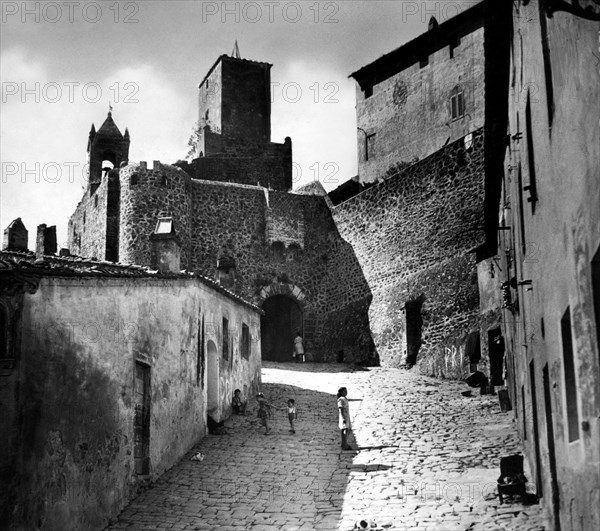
15,236
45,244
165,254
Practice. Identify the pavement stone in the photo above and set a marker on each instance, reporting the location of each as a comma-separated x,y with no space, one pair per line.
427,459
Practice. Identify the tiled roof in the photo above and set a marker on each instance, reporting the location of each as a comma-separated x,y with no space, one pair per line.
71,266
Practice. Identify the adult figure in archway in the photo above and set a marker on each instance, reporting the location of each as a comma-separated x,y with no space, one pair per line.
299,347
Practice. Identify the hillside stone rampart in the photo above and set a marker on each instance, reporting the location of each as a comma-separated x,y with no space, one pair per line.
412,236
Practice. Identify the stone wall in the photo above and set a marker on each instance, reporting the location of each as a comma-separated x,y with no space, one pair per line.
411,236
81,339
88,224
146,195
410,112
231,220
265,164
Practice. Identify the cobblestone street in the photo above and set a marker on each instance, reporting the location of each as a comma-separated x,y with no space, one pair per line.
428,460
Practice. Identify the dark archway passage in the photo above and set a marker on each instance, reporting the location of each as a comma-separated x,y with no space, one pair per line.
282,319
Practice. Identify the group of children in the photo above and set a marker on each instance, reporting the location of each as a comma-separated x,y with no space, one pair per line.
265,409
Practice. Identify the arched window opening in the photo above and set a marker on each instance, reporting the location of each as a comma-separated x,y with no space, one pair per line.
278,250
107,166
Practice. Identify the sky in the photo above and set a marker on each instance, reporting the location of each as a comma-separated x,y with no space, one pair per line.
62,63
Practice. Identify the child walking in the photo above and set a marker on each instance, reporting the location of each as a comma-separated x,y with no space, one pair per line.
292,413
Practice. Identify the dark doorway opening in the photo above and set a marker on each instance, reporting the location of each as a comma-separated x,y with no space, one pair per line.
282,319
536,435
141,449
212,380
496,349
551,452
414,326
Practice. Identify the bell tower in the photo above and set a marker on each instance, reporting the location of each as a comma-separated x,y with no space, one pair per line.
106,144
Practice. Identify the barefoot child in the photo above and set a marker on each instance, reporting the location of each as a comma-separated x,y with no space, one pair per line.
264,411
292,413
345,423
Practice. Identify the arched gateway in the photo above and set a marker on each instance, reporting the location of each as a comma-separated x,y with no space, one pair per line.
284,316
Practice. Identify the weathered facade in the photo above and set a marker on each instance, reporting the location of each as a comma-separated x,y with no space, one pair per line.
549,253
107,376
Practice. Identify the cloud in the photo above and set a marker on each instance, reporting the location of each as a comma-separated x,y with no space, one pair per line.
45,125
315,107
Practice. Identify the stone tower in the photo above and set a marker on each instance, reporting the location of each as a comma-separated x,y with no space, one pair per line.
234,101
106,144
232,142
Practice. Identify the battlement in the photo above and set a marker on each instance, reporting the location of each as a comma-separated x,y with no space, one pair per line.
143,165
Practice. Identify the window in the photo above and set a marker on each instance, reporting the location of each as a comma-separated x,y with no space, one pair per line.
524,409
370,147
278,250
596,291
4,328
454,43
547,64
532,187
225,338
96,202
164,180
245,341
570,379
521,212
133,180
457,103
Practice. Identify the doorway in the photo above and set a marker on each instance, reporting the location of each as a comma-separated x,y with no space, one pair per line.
212,377
282,319
141,426
551,450
496,349
414,326
536,435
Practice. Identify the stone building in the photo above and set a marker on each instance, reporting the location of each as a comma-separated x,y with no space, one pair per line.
431,122
107,375
237,219
549,252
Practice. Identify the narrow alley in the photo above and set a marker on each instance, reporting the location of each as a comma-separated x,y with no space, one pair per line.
429,460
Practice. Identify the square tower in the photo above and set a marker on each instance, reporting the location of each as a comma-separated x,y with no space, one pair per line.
233,140
234,101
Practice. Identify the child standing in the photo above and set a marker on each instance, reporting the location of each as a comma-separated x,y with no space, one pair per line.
264,411
345,423
292,413
298,348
